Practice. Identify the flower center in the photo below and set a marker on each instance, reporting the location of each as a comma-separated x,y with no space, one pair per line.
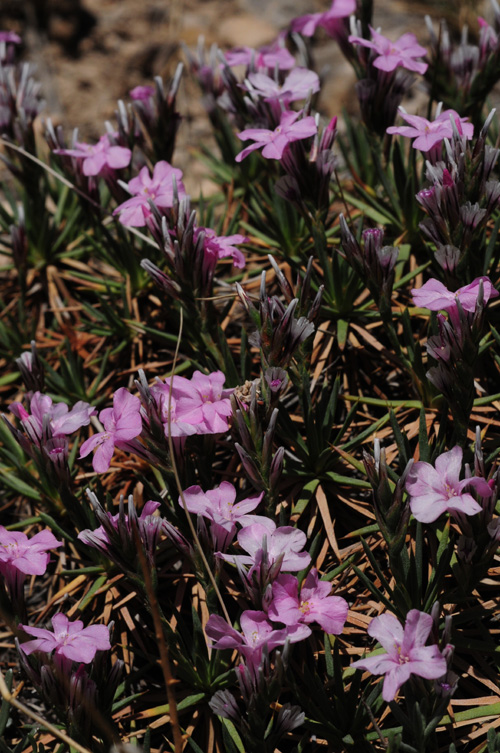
305,607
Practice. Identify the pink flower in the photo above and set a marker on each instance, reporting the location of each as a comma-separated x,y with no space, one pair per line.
257,632
218,505
21,556
61,419
159,189
434,491
205,392
329,20
275,142
142,93
433,295
314,604
269,56
297,85
70,640
10,37
221,246
121,422
98,156
199,405
392,55
262,537
427,133
406,654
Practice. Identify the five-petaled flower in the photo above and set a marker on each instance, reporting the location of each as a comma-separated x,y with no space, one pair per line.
313,604
297,85
274,142
406,652
430,133
391,55
21,556
98,156
70,640
122,422
435,490
158,188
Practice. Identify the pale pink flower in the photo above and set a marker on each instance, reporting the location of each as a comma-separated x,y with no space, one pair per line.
297,85
435,490
433,295
10,37
430,133
263,537
218,505
256,633
329,20
180,418
392,55
70,640
21,556
313,604
205,392
122,422
61,419
406,654
274,142
144,188
268,56
98,156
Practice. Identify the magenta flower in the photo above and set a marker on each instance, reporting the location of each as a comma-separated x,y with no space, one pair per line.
392,55
122,422
406,654
314,604
256,632
70,640
329,20
297,85
221,246
98,156
218,505
262,537
159,189
274,142
61,419
21,556
180,418
433,295
434,491
427,133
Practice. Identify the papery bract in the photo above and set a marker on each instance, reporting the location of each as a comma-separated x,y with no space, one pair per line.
391,55
274,142
406,654
435,490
